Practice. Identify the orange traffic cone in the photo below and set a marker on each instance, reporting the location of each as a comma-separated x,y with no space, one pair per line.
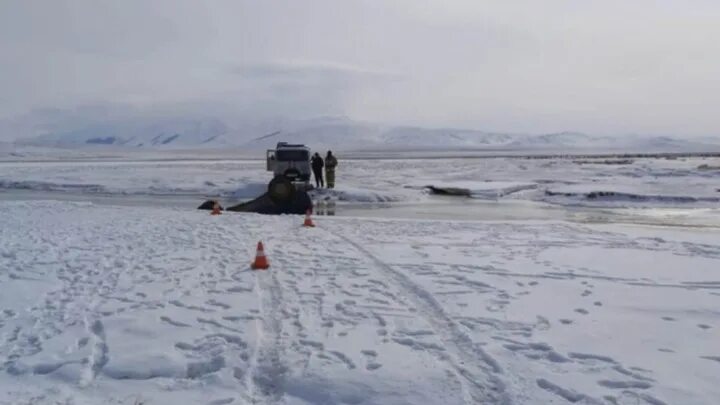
216,209
261,262
308,221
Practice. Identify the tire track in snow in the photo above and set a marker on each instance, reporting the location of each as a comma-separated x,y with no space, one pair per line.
266,372
99,355
478,373
266,377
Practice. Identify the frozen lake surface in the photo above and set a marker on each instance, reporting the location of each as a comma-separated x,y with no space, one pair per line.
115,289
678,190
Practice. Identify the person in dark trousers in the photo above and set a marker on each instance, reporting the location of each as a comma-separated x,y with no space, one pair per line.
330,165
317,167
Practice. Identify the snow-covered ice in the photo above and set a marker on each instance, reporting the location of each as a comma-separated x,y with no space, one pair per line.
482,189
571,182
129,305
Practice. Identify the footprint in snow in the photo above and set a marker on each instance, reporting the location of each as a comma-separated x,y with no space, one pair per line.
542,323
624,384
703,326
224,401
344,359
218,304
82,342
581,311
668,318
173,322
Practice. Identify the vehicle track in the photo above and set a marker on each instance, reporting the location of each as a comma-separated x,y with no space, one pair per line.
267,374
477,372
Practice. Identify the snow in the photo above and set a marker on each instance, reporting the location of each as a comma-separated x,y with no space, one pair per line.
484,189
231,178
111,304
247,191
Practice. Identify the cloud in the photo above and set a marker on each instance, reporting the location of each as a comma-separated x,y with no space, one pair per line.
311,70
302,88
606,66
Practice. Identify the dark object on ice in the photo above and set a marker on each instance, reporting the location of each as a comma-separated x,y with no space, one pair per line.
604,162
449,191
282,197
281,189
208,205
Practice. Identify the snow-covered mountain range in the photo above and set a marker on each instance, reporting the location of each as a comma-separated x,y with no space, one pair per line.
206,132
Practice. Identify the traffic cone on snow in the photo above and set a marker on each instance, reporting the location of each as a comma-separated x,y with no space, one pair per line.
308,221
216,209
261,262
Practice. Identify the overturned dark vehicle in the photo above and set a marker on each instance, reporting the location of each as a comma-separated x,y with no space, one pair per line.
287,192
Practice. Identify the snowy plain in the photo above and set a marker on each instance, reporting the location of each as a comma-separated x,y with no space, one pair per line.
155,303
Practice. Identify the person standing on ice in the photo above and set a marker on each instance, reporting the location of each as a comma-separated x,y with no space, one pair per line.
317,167
330,165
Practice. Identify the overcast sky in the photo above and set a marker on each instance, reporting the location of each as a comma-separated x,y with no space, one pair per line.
599,66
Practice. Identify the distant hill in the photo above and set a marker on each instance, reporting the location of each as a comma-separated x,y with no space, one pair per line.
166,133
330,132
137,131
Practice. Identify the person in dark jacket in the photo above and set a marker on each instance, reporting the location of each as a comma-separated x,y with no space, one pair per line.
330,165
317,167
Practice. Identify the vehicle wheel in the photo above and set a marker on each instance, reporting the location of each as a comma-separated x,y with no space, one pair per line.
281,190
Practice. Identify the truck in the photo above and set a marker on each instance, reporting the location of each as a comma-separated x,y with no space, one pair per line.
291,161
287,192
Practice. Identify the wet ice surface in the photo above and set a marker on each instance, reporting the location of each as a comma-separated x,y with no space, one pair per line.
431,207
653,191
639,182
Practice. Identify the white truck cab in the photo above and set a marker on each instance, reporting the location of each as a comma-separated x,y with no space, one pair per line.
291,161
